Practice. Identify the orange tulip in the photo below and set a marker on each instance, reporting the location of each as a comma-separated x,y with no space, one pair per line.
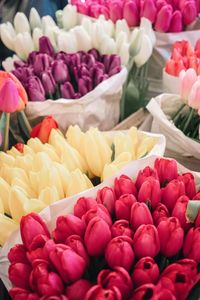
43,129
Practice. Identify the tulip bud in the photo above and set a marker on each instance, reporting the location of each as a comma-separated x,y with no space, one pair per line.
9,92
121,227
143,174
150,192
106,197
189,12
119,252
19,275
140,214
187,79
176,22
172,192
18,293
35,89
149,10
193,99
97,211
97,236
48,83
116,11
76,243
84,85
60,71
21,23
146,241
166,169
41,63
83,205
145,271
42,130
191,244
163,19
179,211
34,19
78,289
97,292
124,185
160,213
17,254
45,46
131,13
123,206
7,227
67,90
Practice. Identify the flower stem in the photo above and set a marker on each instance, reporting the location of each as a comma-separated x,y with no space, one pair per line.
176,115
26,122
188,120
6,133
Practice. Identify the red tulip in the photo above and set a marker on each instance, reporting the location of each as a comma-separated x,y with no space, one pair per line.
69,265
146,241
144,174
19,147
98,293
78,289
160,213
174,67
19,275
76,243
31,226
166,169
197,220
97,211
119,252
83,205
119,278
150,192
171,236
190,187
123,206
66,226
47,248
179,212
191,244
140,214
106,196
197,196
176,22
146,291
121,227
163,19
43,129
131,13
37,248
145,271
97,236
17,254
172,192
124,185
21,294
149,10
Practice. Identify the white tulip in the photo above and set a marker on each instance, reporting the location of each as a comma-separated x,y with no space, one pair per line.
145,51
108,45
47,21
19,47
97,35
21,23
136,41
87,25
121,39
59,16
8,63
70,17
34,19
147,25
83,39
11,29
124,53
122,26
37,34
67,42
27,44
6,36
50,32
108,26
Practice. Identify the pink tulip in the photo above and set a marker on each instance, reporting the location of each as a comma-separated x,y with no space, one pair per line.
83,205
17,254
149,10
82,8
187,79
32,226
166,169
119,252
116,12
140,214
76,243
194,96
37,251
124,185
119,278
163,19
19,275
78,289
174,67
172,192
176,22
66,226
123,206
98,293
171,236
97,211
97,236
69,265
143,174
191,244
145,271
179,211
21,294
190,187
131,13
9,97
150,192
189,12
121,227
106,196
146,241
60,297
160,213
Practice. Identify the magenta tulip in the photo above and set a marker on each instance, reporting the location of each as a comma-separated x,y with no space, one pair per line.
121,227
176,22
60,297
124,185
140,214
41,63
9,97
131,13
17,254
98,293
163,19
160,213
78,289
192,244
190,187
179,211
67,90
166,169
35,89
144,174
76,243
172,192
189,12
150,192
60,71
48,82
97,211
116,11
19,274
45,46
123,206
149,10
83,205
22,294
106,196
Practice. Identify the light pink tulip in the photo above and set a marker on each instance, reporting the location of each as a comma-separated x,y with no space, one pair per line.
187,79
194,96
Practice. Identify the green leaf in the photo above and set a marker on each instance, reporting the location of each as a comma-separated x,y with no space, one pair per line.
113,152
2,127
192,210
22,125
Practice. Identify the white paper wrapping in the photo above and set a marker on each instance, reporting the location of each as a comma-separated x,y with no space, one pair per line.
161,108
171,84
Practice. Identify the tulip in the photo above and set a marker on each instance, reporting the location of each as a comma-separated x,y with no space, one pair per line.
166,169
146,241
17,254
66,226
77,182
172,192
23,73
48,83
78,289
34,19
60,297
116,11
160,213
84,85
89,59
155,294
145,271
97,292
171,236
41,63
174,67
179,212
193,99
67,90
131,13
176,22
21,23
143,55
97,211
9,97
119,252
80,71
165,13
150,192
123,206
119,278
140,214
38,252
67,42
124,185
76,243
18,293
45,46
69,265
121,227
23,44
189,12
69,17
106,197
43,129
97,236
191,244
149,10
7,36
36,35
35,89
19,274
83,205
60,71
143,174
187,79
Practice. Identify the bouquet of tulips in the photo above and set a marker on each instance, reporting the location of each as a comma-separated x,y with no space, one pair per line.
165,15
137,239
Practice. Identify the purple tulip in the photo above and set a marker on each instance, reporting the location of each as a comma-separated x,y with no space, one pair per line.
31,57
61,55
80,71
73,60
89,60
35,89
45,46
19,63
95,53
48,82
111,61
42,63
114,71
60,71
85,85
23,73
67,90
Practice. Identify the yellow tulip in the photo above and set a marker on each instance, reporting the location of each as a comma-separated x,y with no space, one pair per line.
1,207
97,152
14,152
50,151
77,183
108,171
28,150
57,140
123,143
63,174
5,194
49,195
7,227
72,159
109,138
24,162
26,187
75,138
6,159
145,146
9,173
35,144
41,160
